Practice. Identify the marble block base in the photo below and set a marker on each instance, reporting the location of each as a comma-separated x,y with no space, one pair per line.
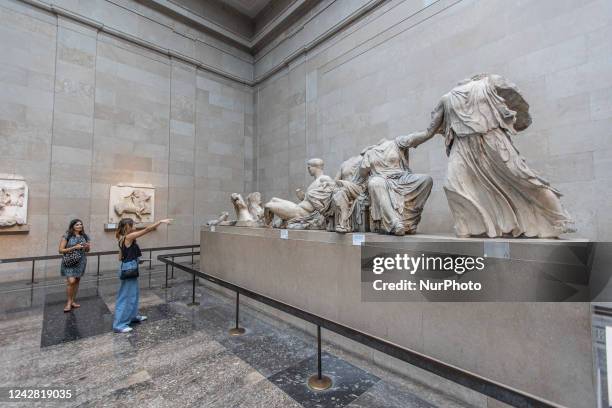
541,348
15,229
113,226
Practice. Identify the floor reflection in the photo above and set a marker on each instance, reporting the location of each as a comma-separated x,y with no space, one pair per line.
91,319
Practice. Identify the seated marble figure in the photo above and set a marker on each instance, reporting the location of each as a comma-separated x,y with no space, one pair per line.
314,205
395,195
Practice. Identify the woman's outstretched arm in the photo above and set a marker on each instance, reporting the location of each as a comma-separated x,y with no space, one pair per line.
129,238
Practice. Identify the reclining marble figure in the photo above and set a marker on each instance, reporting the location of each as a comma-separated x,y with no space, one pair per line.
489,187
220,220
314,206
396,195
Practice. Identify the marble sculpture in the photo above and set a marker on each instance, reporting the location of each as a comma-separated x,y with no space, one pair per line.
254,206
248,214
244,218
135,201
396,194
220,220
13,200
489,187
314,205
491,191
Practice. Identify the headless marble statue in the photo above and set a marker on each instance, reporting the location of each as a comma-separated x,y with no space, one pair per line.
396,196
490,189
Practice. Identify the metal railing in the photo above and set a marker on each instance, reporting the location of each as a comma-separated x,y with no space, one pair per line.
482,385
98,254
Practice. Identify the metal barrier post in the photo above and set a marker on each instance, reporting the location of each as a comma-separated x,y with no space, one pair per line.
33,266
98,266
193,301
166,276
318,381
237,330
192,255
150,265
172,269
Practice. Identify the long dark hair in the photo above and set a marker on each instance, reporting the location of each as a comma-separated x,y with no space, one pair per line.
70,231
122,228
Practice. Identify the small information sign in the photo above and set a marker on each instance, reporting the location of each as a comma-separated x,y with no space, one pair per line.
358,239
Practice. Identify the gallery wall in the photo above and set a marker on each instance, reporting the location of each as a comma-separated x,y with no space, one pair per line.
81,110
84,106
382,76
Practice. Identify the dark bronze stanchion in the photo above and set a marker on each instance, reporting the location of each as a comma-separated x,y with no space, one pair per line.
192,255
172,277
98,266
32,281
193,301
318,381
150,263
166,276
237,330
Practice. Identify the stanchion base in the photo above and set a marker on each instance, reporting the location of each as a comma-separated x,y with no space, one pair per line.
32,283
193,304
166,286
236,331
319,384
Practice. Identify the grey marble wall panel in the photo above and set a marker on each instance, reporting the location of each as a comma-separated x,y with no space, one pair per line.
27,82
182,155
222,136
138,20
132,132
72,151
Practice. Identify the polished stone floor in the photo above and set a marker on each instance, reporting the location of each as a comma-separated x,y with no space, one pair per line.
182,356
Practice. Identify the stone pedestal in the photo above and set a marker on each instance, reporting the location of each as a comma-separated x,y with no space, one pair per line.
541,348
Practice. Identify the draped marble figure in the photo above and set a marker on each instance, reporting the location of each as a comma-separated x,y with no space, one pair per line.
397,195
314,203
490,188
350,197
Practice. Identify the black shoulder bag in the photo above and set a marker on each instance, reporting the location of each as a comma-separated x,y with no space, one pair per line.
72,258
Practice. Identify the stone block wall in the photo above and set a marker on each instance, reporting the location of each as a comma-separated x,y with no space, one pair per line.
382,76
82,109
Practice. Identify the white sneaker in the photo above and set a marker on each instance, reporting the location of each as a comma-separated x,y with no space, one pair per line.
140,318
124,330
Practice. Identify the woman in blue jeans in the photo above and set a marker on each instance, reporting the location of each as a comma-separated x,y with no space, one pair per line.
126,306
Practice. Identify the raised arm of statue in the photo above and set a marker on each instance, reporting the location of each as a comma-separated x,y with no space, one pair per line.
415,139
